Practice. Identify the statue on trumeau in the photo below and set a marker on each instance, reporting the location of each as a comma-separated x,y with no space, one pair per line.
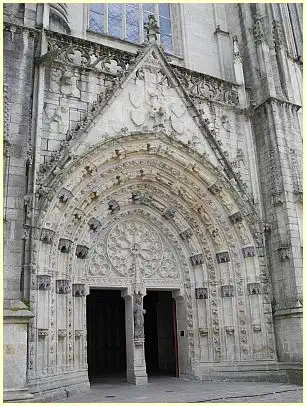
139,313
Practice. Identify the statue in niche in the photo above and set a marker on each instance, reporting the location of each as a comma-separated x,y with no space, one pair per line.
139,313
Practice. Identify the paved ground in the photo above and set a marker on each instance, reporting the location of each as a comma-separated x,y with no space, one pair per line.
174,390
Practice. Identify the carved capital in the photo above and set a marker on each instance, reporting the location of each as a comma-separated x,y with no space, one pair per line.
42,332
223,257
253,288
65,245
186,234
61,333
81,251
197,259
169,212
44,282
203,331
47,235
65,195
236,217
227,291
113,206
201,293
78,290
230,330
94,224
215,188
63,286
248,252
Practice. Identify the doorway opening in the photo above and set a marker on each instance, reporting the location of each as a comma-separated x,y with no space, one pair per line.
160,334
106,343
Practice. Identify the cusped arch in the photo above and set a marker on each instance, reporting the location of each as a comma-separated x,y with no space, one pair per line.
183,192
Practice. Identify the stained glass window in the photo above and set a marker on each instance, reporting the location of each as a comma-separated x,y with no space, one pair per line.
132,23
115,20
96,17
126,21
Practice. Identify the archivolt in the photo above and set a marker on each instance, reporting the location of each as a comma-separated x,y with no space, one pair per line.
168,175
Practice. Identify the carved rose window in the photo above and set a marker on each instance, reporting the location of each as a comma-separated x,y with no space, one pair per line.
134,248
126,21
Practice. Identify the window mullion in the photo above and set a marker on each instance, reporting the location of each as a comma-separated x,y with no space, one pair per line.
141,29
157,19
106,19
123,24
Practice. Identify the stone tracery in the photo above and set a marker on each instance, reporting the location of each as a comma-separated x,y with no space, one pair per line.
102,261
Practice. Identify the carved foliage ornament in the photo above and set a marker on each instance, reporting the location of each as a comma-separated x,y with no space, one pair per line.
86,54
47,235
78,290
44,282
63,286
207,87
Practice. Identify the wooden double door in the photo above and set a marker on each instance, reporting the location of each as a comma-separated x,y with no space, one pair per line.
106,340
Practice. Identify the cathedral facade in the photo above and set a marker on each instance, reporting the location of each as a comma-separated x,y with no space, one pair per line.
152,194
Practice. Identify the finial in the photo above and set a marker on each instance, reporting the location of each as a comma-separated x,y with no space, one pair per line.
152,29
236,50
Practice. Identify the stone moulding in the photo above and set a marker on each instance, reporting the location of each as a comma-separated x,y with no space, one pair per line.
78,290
47,235
208,87
44,282
63,286
65,245
201,293
248,252
197,259
223,257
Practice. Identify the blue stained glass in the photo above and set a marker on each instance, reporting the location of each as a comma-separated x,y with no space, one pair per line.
98,8
146,17
166,42
96,22
164,10
165,26
148,7
114,19
132,24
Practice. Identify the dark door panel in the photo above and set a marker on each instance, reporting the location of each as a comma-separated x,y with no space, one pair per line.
106,346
